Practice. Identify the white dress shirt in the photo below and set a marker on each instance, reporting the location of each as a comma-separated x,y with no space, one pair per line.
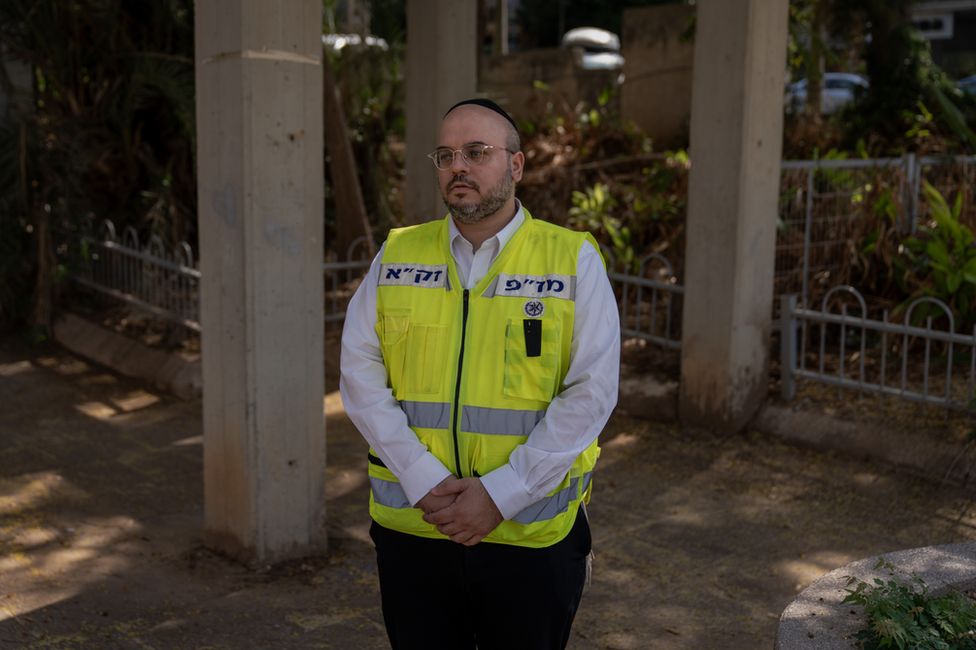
572,422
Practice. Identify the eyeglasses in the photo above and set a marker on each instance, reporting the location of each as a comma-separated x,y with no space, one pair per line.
473,154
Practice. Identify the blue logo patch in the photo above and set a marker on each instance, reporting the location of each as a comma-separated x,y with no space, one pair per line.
534,308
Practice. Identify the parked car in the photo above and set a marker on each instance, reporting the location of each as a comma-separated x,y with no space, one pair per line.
838,89
336,42
967,85
601,49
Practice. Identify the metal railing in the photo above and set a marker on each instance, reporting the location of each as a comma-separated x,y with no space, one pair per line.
167,283
164,283
819,200
822,206
338,293
652,319
860,349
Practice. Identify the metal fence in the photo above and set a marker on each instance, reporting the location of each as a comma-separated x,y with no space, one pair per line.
649,301
906,361
819,207
163,282
341,279
821,211
825,206
166,283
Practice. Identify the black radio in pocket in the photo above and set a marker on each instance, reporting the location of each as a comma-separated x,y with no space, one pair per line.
533,337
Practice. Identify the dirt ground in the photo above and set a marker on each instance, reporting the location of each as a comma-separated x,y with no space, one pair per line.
701,540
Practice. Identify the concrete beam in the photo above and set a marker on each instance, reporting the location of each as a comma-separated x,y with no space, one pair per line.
260,179
736,143
441,71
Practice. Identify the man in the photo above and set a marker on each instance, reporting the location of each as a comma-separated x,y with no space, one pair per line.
480,360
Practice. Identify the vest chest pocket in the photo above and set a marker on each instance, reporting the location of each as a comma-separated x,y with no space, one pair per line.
391,329
424,365
413,352
530,366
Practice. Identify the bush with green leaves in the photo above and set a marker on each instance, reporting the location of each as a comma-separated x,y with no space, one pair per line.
634,218
591,210
902,613
944,258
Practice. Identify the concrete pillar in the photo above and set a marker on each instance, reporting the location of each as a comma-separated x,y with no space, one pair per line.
736,142
260,184
441,71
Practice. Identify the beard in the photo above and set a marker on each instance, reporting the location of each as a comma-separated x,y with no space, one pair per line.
471,212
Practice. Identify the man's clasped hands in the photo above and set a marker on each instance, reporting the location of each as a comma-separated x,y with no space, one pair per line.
461,509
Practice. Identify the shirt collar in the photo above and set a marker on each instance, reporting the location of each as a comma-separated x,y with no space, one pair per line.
503,236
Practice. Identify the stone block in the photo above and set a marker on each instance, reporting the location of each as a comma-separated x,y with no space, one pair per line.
174,373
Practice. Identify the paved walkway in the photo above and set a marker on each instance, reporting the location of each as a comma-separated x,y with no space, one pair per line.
701,540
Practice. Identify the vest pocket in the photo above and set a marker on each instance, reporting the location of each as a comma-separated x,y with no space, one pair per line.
391,328
424,365
531,377
413,353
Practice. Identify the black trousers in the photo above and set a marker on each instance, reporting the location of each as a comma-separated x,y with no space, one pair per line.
439,595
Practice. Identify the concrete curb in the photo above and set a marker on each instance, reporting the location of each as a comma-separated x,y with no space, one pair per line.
174,373
866,441
644,396
816,619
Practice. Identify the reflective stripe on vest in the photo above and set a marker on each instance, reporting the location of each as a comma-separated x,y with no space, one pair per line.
391,495
474,419
388,493
499,422
553,505
427,415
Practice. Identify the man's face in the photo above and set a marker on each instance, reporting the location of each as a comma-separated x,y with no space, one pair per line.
474,193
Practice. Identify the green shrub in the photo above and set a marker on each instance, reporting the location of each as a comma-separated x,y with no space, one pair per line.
901,613
943,258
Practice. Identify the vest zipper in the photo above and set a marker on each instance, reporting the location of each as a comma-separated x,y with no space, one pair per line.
457,388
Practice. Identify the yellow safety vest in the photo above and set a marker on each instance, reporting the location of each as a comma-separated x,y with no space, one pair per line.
474,371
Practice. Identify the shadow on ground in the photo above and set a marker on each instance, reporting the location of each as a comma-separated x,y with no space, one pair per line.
701,540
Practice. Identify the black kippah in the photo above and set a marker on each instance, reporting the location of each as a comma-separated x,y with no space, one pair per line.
490,105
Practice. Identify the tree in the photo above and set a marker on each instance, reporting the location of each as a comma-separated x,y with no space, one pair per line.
816,61
109,131
899,66
351,219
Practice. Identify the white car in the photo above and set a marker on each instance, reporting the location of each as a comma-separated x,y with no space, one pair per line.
601,49
838,89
